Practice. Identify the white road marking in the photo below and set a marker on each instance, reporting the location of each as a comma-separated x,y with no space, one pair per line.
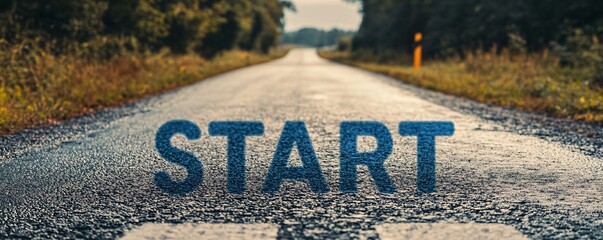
436,231
204,231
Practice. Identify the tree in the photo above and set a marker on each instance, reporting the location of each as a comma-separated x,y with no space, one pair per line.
204,26
451,27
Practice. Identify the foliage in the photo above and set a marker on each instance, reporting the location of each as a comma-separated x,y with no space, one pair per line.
453,27
206,26
313,37
344,44
61,58
582,51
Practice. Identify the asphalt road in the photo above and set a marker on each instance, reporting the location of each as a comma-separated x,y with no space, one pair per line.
93,178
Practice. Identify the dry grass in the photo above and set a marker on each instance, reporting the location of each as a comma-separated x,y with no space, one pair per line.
39,88
531,82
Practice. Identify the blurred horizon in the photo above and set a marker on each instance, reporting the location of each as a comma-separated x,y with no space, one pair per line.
324,15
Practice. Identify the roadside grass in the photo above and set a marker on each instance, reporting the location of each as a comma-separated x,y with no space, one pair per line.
528,81
37,87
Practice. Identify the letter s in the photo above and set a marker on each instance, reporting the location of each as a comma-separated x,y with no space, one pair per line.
193,166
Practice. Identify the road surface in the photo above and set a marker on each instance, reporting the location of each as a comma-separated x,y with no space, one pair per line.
99,183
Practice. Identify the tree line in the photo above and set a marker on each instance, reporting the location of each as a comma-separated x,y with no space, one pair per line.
207,27
313,37
452,27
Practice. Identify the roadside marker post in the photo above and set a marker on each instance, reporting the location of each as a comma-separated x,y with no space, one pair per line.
418,51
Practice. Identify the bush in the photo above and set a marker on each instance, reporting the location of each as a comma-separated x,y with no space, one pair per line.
344,44
582,51
39,87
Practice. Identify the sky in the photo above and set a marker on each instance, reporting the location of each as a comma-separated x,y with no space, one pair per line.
324,14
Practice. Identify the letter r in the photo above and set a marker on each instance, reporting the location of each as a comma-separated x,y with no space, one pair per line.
350,158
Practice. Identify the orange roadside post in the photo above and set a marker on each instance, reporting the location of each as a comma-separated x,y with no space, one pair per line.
418,50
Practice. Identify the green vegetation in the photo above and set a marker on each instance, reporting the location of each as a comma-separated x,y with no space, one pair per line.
543,56
344,44
453,27
62,58
531,82
49,88
105,26
313,37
